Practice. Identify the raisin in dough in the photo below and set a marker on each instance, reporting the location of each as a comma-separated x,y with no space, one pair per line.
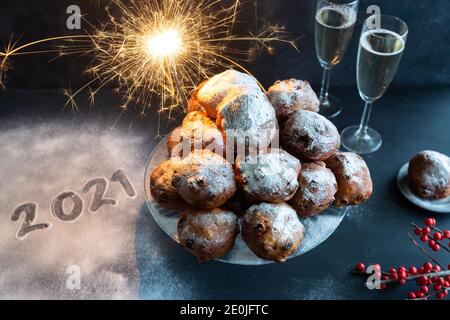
353,178
269,176
204,179
291,95
196,132
317,187
161,184
272,231
208,234
429,175
309,136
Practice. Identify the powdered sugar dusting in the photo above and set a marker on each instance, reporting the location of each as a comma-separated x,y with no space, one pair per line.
120,250
246,113
286,226
310,134
316,183
318,128
40,161
195,135
438,172
216,88
291,95
270,175
205,179
352,166
211,223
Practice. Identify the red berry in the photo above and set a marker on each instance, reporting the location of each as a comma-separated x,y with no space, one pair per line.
360,267
376,267
437,236
430,222
427,265
440,281
436,268
411,295
437,287
422,280
421,270
383,286
445,293
446,234
423,238
424,289
419,294
431,243
402,274
446,284
401,268
402,282
426,231
393,276
447,278
417,231
435,247
392,270
440,295
384,277
412,270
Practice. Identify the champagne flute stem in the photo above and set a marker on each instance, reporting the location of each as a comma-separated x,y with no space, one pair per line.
362,131
325,86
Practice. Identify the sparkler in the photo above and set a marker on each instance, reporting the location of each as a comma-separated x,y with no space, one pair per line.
157,48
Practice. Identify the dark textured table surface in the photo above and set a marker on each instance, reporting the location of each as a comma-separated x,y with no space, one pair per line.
409,119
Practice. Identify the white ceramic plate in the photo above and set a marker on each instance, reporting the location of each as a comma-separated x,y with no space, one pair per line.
442,205
317,229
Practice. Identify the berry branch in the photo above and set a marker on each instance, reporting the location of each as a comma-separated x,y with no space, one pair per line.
435,275
418,246
441,294
433,242
422,277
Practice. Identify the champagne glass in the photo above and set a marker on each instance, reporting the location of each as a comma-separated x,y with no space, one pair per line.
381,47
335,22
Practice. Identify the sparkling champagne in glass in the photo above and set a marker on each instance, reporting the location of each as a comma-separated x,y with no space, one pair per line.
334,25
379,55
381,47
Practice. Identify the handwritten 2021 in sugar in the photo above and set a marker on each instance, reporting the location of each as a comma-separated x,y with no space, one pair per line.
100,185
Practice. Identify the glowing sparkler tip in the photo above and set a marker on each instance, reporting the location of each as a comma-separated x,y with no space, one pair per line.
167,43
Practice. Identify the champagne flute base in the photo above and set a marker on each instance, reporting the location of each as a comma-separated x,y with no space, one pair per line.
361,141
331,108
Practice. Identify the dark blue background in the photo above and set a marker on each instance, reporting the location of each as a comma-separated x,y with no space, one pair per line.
426,60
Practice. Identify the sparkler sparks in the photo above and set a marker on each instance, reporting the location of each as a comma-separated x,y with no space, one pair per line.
166,43
158,48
